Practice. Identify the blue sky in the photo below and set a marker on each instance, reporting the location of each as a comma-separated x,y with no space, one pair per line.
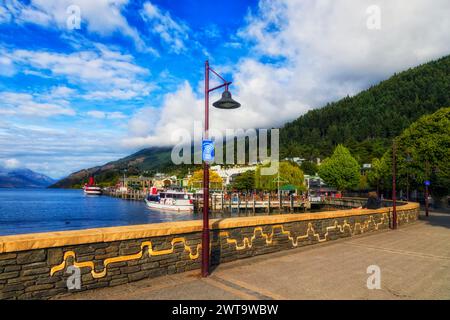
132,74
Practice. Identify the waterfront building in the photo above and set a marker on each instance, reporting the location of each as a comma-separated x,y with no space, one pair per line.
134,183
317,187
227,174
297,160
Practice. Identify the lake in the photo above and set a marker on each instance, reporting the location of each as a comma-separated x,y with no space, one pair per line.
41,210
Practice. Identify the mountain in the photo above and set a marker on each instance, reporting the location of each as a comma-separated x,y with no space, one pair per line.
365,123
23,178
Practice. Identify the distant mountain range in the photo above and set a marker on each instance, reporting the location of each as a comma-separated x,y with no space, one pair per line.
23,178
366,123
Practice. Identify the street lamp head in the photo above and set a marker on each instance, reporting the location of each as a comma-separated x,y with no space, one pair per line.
226,102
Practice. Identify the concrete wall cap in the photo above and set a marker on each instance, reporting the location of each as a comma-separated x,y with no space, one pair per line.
33,241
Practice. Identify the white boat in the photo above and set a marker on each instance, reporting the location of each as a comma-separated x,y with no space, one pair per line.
171,201
91,188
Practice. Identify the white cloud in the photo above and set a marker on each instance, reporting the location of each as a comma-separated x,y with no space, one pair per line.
104,73
103,17
59,150
84,66
11,163
11,10
154,126
116,115
106,115
62,91
321,51
4,15
143,122
35,16
6,66
24,104
329,41
96,114
173,33
117,94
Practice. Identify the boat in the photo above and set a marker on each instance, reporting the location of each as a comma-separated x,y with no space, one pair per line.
91,189
170,200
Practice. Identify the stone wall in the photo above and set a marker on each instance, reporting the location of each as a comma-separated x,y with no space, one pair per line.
36,266
357,202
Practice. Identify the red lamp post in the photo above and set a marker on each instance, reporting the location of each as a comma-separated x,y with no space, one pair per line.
427,182
226,102
394,191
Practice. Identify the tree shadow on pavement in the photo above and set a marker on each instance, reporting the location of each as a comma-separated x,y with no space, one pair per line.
437,219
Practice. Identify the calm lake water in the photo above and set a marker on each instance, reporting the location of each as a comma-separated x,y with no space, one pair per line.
41,210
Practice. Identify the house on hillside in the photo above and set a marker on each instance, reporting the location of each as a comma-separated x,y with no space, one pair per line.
227,174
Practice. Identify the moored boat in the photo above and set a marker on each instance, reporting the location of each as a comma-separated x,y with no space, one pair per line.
171,201
91,189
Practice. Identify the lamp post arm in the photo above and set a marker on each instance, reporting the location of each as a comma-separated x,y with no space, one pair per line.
226,84
210,69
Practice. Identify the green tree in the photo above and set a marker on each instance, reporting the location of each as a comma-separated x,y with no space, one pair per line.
340,170
363,184
196,181
376,174
309,168
289,173
244,181
426,144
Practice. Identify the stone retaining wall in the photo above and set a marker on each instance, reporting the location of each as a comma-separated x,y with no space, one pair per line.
357,202
35,266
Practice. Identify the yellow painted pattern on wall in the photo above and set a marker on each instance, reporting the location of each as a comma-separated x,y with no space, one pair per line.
310,232
148,244
247,242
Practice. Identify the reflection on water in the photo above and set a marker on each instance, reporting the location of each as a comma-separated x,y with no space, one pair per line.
41,210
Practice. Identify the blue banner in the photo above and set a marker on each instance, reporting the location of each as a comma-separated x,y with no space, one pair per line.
208,151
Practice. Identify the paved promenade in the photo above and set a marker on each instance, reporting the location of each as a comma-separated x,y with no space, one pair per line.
414,263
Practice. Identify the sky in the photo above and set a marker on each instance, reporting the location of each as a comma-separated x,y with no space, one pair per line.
85,82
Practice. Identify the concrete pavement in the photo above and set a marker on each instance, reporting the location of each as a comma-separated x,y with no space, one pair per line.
414,263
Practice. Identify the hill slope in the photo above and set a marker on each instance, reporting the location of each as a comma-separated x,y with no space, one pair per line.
366,123
147,160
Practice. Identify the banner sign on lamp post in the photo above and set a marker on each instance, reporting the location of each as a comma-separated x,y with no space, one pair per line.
208,151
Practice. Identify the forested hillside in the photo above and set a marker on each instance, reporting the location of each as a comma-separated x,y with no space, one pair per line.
367,122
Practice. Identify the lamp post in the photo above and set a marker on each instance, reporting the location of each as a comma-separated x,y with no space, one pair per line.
226,102
394,191
427,182
408,160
